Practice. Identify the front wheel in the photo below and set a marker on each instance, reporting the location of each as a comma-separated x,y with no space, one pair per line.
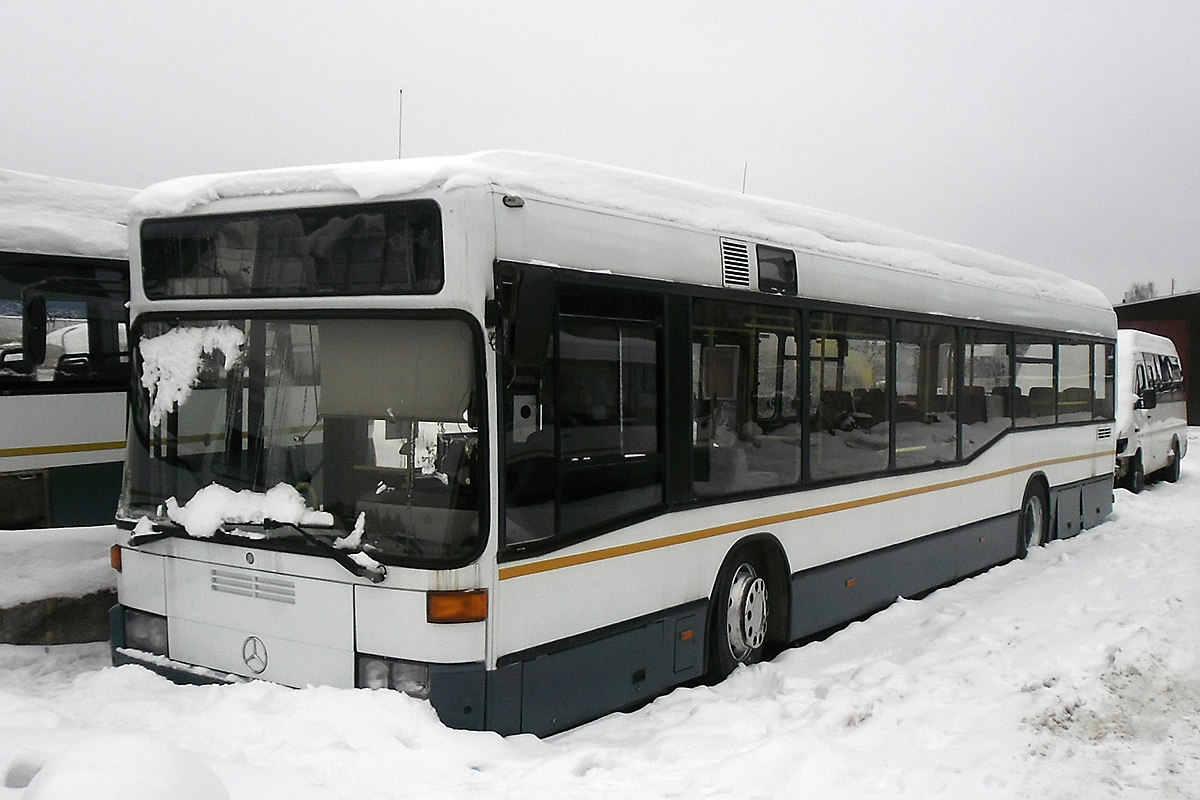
1034,522
739,629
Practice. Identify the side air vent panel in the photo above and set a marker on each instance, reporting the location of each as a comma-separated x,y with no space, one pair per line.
735,263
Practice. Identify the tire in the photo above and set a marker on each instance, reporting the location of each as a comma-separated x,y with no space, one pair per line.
1170,473
1033,524
740,612
1135,481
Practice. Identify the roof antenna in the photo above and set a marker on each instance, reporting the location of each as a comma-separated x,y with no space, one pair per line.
400,128
745,169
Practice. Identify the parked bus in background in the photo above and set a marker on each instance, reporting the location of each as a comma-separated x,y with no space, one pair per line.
540,439
1151,409
64,269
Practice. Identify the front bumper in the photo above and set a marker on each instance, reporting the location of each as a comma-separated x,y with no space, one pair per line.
457,691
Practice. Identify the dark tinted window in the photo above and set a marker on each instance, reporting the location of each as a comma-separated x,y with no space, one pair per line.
776,270
582,430
378,249
86,337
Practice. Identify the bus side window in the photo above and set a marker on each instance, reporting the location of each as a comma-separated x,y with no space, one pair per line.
583,428
850,395
745,424
927,405
1036,396
986,405
1103,381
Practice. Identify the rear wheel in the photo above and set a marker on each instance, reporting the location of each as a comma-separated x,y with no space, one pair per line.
1034,523
1170,473
1135,481
739,625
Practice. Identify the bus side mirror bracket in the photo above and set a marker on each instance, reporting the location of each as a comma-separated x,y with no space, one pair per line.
33,329
533,317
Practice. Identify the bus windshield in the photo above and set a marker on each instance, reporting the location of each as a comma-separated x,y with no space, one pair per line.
373,421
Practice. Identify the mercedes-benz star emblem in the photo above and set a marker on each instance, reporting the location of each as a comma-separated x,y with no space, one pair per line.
254,653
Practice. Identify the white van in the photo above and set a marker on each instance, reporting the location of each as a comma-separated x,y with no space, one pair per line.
1151,410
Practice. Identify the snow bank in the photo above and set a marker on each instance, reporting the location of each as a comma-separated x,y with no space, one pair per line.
216,505
39,214
1073,674
628,192
54,562
120,767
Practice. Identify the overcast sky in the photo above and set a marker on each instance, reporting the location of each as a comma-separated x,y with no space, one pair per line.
1065,134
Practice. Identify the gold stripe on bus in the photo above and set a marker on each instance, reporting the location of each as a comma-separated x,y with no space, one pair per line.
774,519
52,449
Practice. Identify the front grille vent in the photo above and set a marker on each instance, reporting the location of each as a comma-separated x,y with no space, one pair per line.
251,584
735,263
1104,433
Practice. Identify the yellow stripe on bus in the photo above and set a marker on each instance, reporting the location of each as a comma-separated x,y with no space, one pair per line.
52,449
602,554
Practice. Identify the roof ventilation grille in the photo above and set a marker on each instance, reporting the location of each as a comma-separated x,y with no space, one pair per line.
735,263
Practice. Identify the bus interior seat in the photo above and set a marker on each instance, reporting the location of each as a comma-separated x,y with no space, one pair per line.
1041,401
873,407
835,411
973,406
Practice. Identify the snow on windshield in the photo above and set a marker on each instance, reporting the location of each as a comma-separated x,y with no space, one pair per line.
171,362
216,505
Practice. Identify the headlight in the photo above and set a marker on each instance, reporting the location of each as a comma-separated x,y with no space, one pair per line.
385,673
145,632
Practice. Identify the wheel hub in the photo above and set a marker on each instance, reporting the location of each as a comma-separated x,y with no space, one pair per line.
746,614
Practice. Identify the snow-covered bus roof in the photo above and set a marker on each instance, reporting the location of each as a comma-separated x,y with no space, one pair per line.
666,200
56,216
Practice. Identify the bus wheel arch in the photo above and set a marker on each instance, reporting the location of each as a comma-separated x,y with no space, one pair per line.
1033,520
749,605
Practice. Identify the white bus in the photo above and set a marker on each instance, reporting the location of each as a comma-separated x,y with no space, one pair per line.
63,253
539,439
1151,410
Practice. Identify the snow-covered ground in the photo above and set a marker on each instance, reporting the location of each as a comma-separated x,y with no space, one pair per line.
1072,674
63,562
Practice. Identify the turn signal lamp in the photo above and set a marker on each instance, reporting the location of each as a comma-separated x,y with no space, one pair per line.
470,605
114,557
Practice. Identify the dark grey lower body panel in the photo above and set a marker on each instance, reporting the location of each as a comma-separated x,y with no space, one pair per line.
559,687
1081,505
833,594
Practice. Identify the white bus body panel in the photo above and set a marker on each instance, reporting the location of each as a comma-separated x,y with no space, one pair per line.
142,581
307,625
391,622
834,523
311,615
45,431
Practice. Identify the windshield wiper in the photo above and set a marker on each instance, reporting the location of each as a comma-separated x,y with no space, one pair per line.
162,530
375,574
167,530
